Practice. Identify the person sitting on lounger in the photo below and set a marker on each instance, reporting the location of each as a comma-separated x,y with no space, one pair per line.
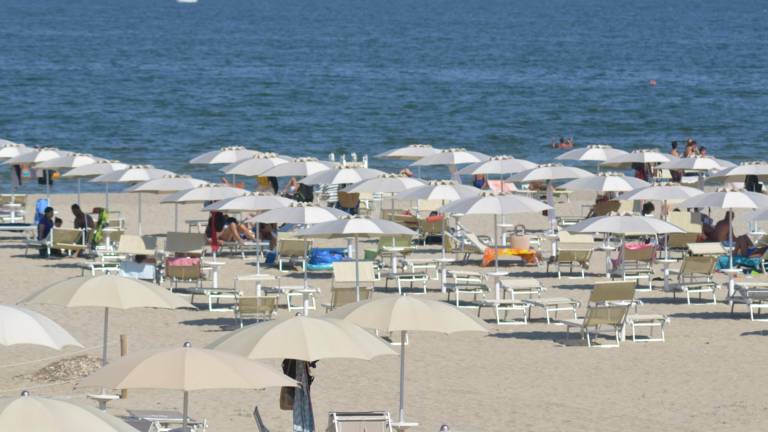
82,220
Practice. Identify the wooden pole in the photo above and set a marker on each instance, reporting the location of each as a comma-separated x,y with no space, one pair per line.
123,353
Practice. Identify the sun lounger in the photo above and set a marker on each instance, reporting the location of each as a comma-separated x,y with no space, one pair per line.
372,421
515,288
696,275
599,316
706,249
572,249
650,321
635,262
753,295
553,305
466,282
261,308
291,250
678,242
346,295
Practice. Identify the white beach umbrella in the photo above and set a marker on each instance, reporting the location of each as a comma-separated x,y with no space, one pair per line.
451,156
594,153
410,152
168,184
606,182
133,174
629,224
38,155
10,149
74,160
36,414
254,165
94,170
497,165
660,193
698,163
641,156
109,292
385,183
546,173
186,369
355,227
204,193
407,314
341,175
252,202
442,190
298,167
224,155
739,172
20,326
496,204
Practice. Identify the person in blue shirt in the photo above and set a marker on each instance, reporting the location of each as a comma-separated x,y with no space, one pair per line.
46,224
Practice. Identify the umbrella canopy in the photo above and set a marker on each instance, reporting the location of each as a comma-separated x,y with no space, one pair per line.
36,414
298,167
132,174
253,201
10,149
168,184
642,156
737,173
204,192
547,172
186,369
74,160
493,203
299,213
624,225
36,155
20,326
409,152
386,183
254,165
109,292
698,163
606,182
442,190
500,165
660,193
452,156
355,226
727,199
303,338
404,314
341,175
95,169
596,153
224,155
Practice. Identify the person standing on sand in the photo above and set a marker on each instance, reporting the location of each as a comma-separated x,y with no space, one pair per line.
677,175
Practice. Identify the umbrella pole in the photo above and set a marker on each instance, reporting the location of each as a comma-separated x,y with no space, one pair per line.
47,176
106,332
357,273
139,213
551,203
403,336
258,246
176,217
496,247
442,239
106,197
78,191
730,240
185,413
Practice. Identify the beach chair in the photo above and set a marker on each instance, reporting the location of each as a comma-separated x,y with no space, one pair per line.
706,249
290,250
753,296
70,240
687,221
349,202
696,275
604,208
613,292
516,288
184,269
261,308
678,242
468,283
463,250
635,262
572,249
346,295
428,229
371,421
186,244
612,316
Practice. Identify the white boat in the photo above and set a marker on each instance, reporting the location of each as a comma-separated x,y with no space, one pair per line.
186,1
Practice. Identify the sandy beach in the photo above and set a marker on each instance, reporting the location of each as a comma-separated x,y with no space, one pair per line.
705,377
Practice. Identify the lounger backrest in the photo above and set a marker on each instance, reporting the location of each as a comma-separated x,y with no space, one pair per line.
606,315
614,291
574,255
603,208
292,247
183,268
359,422
184,242
452,244
644,254
265,305
344,272
568,240
698,266
687,221
435,227
346,295
681,240
132,245
399,241
60,236
706,248
474,241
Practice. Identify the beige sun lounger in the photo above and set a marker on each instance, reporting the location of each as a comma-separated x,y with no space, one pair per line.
373,421
695,276
706,249
613,316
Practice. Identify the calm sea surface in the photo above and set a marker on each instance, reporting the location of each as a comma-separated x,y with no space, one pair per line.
154,81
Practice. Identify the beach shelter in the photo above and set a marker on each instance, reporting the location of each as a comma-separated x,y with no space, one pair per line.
606,182
355,227
108,292
700,164
497,165
131,175
451,158
70,161
186,369
547,173
224,155
592,153
168,184
410,152
341,175
20,326
254,165
94,170
36,414
303,340
298,167
408,314
739,172
640,156
496,204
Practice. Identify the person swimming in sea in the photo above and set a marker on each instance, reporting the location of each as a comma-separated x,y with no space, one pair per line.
564,143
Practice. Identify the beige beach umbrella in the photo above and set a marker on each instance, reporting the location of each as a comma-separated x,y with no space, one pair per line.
439,190
10,149
20,326
592,153
74,160
497,165
204,193
451,156
168,184
224,155
626,224
739,172
133,174
407,314
186,369
94,170
254,165
547,173
640,156
664,193
36,414
385,183
606,182
410,152
697,163
341,175
108,292
298,167
355,227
